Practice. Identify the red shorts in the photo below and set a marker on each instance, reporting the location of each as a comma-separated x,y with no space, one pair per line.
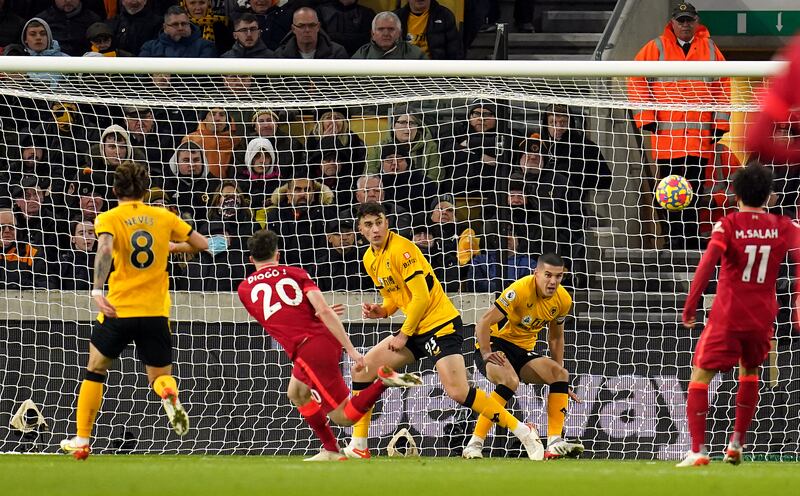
316,364
719,349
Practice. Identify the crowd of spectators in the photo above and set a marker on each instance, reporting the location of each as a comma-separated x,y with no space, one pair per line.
310,29
231,172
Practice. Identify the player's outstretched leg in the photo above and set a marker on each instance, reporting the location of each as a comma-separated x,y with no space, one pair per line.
528,435
392,378
474,448
359,408
166,387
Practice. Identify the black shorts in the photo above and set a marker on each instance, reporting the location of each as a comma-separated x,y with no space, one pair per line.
151,334
438,343
516,356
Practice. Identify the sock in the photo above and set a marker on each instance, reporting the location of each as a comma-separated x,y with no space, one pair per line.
557,401
696,411
746,402
361,428
318,422
489,408
501,395
163,382
89,399
361,403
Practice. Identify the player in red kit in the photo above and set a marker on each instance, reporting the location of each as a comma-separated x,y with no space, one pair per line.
779,106
752,244
291,308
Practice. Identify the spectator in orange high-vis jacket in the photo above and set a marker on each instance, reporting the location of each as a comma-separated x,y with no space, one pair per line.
682,141
215,135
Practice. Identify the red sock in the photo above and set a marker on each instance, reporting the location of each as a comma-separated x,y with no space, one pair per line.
318,422
360,404
696,411
746,402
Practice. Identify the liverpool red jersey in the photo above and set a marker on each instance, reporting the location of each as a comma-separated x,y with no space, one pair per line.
275,296
752,245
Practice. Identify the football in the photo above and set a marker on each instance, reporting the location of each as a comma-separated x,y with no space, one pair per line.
674,193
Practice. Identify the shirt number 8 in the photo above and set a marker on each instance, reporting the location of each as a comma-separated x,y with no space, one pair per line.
142,243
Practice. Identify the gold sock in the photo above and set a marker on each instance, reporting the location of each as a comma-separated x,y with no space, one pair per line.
361,428
89,399
163,382
491,409
556,413
484,424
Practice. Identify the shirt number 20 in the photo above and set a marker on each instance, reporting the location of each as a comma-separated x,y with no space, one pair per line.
280,289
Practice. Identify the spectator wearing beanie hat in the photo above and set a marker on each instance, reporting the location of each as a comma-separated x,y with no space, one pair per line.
474,149
101,39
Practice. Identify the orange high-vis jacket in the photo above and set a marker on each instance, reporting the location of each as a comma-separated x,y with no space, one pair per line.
678,132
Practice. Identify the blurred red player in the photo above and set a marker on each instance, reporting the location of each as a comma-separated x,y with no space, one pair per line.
751,244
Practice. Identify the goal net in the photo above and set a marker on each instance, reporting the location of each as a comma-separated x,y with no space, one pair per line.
484,172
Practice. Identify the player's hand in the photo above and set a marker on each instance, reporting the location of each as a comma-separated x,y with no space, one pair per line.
372,311
495,357
105,306
338,309
173,247
398,342
359,363
689,322
573,396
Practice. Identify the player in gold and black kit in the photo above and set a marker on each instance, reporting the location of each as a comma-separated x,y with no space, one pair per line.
138,239
507,334
432,329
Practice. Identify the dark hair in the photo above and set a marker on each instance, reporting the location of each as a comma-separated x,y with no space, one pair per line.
131,180
399,150
76,220
557,109
753,184
262,245
246,17
174,10
370,209
550,259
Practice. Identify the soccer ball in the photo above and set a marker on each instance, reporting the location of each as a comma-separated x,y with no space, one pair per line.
674,193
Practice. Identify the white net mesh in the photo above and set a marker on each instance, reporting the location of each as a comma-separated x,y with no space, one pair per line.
484,173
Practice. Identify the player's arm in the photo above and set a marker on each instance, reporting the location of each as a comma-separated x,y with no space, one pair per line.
195,244
331,320
483,331
555,341
415,310
700,280
102,266
379,310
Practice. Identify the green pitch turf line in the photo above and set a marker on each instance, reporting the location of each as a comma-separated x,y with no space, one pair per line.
154,475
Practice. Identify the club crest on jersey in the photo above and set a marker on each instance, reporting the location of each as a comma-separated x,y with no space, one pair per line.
526,320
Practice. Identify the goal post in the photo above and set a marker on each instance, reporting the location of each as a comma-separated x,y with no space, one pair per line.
485,165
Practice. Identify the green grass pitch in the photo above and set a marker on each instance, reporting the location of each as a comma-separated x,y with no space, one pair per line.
151,475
